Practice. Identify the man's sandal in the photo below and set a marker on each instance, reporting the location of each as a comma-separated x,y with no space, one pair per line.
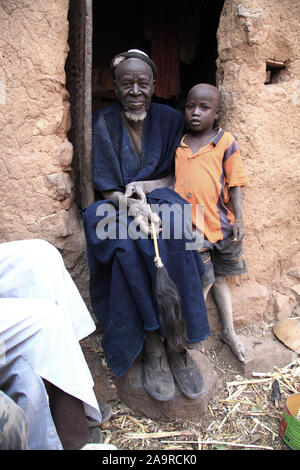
157,377
186,374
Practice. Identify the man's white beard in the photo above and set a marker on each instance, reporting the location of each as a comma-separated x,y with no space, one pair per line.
135,116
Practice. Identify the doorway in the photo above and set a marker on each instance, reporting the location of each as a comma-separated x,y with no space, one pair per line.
179,35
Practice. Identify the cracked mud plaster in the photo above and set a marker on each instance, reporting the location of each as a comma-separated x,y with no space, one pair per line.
2,91
265,119
255,24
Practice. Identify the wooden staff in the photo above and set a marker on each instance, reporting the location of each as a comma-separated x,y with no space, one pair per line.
171,321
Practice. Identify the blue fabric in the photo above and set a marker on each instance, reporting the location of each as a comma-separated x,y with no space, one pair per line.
163,129
122,271
131,164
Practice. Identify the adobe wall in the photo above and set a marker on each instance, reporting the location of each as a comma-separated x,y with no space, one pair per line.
37,188
266,122
37,185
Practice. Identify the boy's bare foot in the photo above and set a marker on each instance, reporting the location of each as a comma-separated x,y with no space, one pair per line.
235,345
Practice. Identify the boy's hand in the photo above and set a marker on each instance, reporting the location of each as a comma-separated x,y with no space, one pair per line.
238,232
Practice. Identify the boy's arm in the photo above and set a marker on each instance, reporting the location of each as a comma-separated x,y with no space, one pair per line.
235,193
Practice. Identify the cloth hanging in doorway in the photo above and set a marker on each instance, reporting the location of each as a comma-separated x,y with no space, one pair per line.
164,48
189,24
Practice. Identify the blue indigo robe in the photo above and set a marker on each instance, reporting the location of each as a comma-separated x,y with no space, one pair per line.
122,269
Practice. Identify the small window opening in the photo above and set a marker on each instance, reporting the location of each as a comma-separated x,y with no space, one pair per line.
275,72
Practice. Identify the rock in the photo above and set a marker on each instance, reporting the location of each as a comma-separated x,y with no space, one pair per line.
249,302
263,353
131,392
283,306
288,331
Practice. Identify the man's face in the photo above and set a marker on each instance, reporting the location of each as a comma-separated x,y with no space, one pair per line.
134,86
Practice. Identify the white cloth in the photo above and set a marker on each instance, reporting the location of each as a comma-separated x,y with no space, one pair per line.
42,317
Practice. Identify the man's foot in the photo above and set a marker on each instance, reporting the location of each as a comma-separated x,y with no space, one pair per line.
235,345
96,441
200,346
95,436
106,413
158,378
186,374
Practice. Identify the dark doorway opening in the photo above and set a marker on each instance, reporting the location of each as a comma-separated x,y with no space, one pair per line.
180,36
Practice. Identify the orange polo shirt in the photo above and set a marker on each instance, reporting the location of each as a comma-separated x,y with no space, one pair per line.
204,178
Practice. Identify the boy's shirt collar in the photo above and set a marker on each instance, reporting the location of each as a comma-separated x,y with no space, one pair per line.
214,141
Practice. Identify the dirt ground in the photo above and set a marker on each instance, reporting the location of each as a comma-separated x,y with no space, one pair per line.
242,416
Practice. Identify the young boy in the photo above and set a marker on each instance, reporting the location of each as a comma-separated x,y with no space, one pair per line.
209,174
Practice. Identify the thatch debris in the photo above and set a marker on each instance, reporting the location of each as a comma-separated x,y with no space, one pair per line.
244,415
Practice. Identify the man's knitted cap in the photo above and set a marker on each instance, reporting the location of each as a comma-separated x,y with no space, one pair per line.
132,53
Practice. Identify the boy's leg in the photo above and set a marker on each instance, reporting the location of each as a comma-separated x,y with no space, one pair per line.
222,296
206,290
228,261
207,280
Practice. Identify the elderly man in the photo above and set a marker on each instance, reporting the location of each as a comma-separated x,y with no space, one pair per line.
134,144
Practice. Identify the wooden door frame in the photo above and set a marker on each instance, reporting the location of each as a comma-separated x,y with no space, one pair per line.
79,85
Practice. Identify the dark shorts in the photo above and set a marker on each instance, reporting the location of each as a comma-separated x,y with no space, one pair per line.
222,258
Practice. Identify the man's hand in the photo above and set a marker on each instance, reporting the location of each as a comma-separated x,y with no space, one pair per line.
139,189
136,190
143,216
238,232
137,208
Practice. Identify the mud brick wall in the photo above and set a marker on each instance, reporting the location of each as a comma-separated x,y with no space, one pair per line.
37,183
